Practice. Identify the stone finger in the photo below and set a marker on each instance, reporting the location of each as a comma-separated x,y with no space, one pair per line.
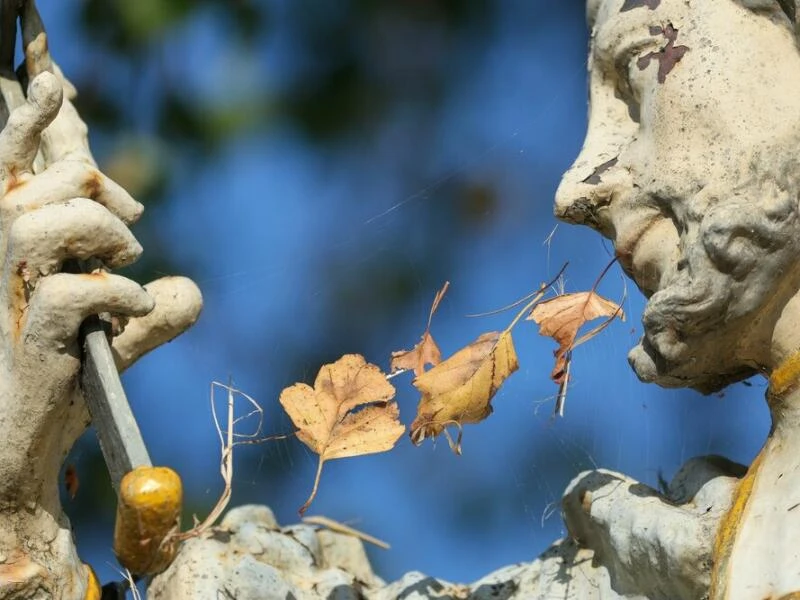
66,137
178,303
19,139
34,41
73,179
706,481
61,302
41,240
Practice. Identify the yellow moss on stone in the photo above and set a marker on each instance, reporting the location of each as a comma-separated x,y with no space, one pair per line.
729,528
785,377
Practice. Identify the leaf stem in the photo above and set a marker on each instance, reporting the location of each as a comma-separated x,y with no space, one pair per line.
535,297
603,273
523,299
313,495
604,324
436,300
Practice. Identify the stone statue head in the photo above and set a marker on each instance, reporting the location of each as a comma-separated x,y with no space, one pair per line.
691,166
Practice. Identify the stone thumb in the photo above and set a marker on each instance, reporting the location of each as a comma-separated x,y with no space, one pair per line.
178,303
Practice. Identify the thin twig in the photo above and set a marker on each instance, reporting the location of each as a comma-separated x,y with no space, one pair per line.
314,489
345,529
527,298
229,438
561,398
436,300
536,297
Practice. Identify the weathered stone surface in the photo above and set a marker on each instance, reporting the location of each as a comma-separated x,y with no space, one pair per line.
297,559
627,541
698,192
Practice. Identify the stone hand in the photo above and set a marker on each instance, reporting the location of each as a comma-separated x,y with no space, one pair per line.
653,545
68,211
56,207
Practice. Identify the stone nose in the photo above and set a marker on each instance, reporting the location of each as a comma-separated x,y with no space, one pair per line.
586,190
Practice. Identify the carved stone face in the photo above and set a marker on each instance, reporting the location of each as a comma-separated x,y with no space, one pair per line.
690,166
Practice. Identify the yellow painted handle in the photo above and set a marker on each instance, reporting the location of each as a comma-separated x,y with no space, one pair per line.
149,509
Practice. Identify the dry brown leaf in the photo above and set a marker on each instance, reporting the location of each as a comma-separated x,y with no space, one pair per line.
460,389
562,317
426,352
348,412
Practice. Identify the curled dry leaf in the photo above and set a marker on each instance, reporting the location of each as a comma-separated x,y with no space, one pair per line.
460,389
348,412
562,317
426,352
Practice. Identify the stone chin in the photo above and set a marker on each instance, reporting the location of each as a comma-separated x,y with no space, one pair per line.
711,321
650,366
687,340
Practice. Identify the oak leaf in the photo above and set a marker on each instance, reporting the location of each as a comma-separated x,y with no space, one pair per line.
460,389
561,318
426,352
348,412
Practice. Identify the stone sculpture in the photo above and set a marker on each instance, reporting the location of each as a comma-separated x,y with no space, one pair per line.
689,166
